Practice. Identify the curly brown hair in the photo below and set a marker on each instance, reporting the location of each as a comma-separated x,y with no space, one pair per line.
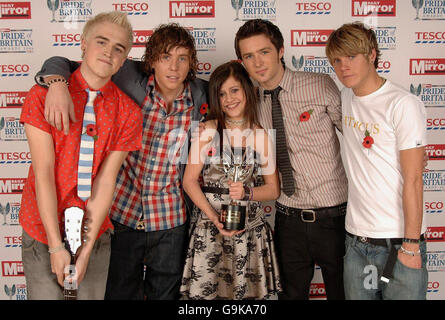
164,38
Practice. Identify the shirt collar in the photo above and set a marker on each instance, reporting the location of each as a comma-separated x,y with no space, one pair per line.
286,82
78,83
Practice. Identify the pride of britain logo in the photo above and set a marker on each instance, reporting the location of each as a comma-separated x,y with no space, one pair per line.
11,129
254,9
16,40
69,11
434,181
16,291
313,64
429,10
432,95
10,213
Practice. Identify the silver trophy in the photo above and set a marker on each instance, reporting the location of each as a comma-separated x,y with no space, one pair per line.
237,4
417,4
233,215
53,6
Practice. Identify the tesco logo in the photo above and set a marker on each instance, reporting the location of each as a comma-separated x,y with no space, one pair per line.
132,8
204,67
14,70
433,206
66,39
435,124
430,37
384,66
433,286
314,7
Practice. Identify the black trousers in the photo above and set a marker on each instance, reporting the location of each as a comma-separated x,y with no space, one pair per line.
160,253
300,245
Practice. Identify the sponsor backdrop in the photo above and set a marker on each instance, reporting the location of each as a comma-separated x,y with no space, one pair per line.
411,35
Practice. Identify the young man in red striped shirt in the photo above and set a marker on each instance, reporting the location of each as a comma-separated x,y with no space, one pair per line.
309,224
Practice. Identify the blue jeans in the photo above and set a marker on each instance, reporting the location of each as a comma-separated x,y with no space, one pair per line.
363,267
160,253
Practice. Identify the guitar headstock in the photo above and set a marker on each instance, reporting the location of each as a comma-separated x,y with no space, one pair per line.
73,228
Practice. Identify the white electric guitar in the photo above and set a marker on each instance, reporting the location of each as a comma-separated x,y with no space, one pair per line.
73,240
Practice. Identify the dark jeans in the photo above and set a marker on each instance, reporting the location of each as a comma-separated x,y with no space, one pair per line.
160,253
300,245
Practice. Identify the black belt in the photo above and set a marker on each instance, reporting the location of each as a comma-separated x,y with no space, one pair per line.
216,190
311,215
392,257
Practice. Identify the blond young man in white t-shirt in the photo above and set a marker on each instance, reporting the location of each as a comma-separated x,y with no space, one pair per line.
384,137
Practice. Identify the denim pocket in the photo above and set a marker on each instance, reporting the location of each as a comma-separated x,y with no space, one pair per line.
27,241
120,228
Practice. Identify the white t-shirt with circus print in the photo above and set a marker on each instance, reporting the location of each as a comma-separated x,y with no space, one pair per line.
376,128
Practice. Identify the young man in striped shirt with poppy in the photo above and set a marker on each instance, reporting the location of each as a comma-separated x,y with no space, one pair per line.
309,223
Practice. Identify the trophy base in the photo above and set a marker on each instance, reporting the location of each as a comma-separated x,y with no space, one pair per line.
233,216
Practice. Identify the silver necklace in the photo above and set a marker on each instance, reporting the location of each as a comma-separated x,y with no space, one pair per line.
236,122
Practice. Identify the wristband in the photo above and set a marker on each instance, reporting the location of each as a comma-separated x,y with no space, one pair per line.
408,240
56,249
410,253
50,82
247,193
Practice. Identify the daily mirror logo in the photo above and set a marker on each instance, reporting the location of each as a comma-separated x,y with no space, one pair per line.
12,99
309,38
141,37
384,8
15,10
192,9
12,185
427,66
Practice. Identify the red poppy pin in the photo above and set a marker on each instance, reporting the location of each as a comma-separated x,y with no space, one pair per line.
211,152
368,141
305,116
91,131
204,108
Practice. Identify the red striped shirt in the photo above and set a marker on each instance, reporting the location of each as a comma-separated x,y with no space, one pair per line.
313,145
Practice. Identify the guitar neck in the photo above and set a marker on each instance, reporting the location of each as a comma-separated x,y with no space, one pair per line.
69,294
70,288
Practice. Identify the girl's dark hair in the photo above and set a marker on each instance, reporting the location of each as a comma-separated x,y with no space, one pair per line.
217,79
165,38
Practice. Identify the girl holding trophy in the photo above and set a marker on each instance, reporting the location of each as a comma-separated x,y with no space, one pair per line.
231,254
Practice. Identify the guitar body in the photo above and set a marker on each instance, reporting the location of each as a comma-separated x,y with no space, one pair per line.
73,240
